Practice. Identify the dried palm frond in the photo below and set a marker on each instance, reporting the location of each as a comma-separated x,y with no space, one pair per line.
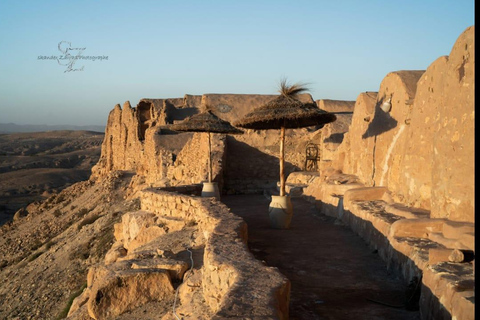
291,90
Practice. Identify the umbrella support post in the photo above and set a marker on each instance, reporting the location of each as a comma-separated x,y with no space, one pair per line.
210,189
209,158
280,210
282,161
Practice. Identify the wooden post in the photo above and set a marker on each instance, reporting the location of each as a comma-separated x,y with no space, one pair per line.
209,159
282,161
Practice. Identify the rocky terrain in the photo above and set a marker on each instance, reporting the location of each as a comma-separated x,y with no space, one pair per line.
46,254
34,166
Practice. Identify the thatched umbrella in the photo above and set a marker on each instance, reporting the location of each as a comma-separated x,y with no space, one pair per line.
285,111
206,122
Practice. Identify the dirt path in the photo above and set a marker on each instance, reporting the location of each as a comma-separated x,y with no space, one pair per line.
332,270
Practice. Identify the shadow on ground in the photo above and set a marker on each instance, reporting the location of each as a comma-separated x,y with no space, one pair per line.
333,272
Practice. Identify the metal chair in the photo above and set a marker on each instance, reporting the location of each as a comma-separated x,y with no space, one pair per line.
312,155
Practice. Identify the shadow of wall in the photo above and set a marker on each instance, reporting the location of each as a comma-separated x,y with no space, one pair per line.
249,170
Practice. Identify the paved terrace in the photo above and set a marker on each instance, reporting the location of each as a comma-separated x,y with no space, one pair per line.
333,272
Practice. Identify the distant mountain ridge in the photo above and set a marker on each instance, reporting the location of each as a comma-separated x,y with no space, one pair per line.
13,128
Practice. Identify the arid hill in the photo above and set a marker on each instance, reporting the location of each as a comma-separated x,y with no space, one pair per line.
35,165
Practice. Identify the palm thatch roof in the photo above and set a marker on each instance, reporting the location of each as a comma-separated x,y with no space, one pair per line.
286,111
205,122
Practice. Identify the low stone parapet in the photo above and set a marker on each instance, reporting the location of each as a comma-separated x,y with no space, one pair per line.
234,283
189,254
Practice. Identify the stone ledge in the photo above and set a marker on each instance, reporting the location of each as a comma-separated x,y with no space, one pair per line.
453,285
410,256
404,237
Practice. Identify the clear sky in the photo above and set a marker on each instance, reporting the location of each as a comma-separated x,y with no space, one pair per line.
169,48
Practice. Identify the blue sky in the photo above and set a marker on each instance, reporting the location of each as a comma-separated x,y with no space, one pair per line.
165,49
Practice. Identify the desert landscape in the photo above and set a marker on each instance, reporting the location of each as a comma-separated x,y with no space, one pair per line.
116,225
33,166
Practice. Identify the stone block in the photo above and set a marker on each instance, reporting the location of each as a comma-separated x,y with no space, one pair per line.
175,268
124,290
455,229
116,251
416,228
407,212
144,236
438,255
365,193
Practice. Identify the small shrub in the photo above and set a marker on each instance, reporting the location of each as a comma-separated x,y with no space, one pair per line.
82,212
82,252
49,244
57,213
60,198
37,244
191,223
104,244
72,207
34,256
88,220
63,314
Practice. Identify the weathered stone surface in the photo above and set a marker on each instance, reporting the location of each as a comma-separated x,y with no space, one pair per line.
78,303
355,154
455,230
116,251
416,228
407,212
176,268
335,106
436,255
122,290
121,148
448,291
466,242
453,143
229,270
133,223
146,235
389,128
191,164
365,193
332,134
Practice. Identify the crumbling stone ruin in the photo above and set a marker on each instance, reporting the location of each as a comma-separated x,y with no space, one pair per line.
397,167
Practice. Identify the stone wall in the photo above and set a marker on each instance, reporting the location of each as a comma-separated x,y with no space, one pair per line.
422,150
453,168
234,283
355,154
193,243
403,179
121,148
191,164
138,140
332,134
